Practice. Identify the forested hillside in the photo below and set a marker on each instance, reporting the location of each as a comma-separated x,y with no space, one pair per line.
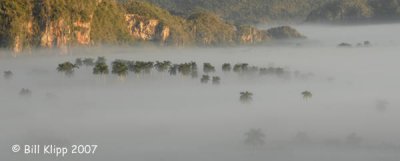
353,11
64,23
245,11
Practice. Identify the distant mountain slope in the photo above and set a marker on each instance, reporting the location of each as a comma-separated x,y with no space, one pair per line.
245,11
353,11
65,23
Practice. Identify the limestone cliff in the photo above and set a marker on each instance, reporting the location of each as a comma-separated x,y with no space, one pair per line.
58,24
251,35
141,28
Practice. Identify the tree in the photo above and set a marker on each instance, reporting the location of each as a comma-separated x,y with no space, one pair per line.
240,67
246,97
101,59
162,66
226,67
120,68
216,80
173,69
204,79
185,69
194,74
8,74
78,62
100,68
307,95
88,61
208,68
25,92
255,138
67,67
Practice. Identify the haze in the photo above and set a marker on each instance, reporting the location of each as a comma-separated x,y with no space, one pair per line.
159,117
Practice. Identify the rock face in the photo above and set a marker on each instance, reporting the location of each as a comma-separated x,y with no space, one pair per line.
141,28
56,24
251,35
353,11
60,34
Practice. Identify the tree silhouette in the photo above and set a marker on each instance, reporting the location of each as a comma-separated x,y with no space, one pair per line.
208,68
226,67
307,95
120,68
144,67
185,69
78,62
88,61
162,66
238,68
101,59
67,67
194,66
246,97
216,80
100,68
255,138
25,92
173,69
8,74
194,74
204,79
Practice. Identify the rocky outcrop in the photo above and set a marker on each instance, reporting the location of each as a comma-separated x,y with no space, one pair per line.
58,25
60,34
82,32
284,32
141,28
251,35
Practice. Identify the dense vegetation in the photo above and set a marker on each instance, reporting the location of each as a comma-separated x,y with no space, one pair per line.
63,23
244,11
33,22
357,11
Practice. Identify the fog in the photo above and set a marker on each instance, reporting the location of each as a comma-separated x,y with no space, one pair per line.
353,114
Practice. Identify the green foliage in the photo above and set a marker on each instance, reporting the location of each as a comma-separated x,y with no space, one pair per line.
208,68
284,32
100,68
120,68
246,97
226,67
209,29
356,11
216,80
244,11
162,66
66,67
14,16
306,95
204,79
108,25
88,61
